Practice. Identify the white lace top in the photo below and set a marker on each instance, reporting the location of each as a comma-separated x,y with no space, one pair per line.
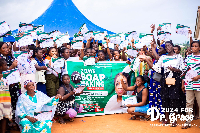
165,61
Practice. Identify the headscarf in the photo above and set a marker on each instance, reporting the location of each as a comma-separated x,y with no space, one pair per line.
26,82
163,45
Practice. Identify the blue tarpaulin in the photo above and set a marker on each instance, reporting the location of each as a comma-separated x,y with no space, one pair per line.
64,16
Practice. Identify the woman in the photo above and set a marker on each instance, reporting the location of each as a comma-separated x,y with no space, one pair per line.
115,102
11,64
154,87
32,103
26,68
142,105
192,87
52,79
67,108
170,82
5,99
41,68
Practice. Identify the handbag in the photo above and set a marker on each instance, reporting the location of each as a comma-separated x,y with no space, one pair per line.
170,81
157,76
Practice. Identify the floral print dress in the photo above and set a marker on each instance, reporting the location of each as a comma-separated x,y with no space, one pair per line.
24,108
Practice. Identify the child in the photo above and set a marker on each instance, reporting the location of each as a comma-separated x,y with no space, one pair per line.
5,99
139,109
67,108
41,68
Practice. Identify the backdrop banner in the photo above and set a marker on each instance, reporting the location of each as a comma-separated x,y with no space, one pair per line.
100,95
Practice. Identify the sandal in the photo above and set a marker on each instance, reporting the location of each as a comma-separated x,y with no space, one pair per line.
61,121
132,118
142,118
71,120
186,126
165,122
195,118
174,124
148,118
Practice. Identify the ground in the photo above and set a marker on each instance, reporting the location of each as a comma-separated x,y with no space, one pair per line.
118,123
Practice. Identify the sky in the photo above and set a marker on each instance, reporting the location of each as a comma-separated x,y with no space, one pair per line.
114,15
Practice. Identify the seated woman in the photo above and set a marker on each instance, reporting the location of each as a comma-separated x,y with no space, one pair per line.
34,102
67,108
139,109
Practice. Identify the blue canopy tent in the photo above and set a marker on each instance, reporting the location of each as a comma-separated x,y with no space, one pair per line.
7,39
64,16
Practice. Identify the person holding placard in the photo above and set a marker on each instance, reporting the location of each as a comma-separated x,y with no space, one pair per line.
41,68
191,83
11,64
154,86
52,79
35,110
67,107
142,95
170,81
5,99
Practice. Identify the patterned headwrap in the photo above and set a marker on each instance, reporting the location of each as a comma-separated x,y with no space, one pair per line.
26,82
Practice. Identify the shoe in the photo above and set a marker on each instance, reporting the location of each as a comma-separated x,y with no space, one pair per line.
174,124
186,126
132,118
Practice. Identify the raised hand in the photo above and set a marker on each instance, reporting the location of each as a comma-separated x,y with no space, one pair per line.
159,28
132,40
145,48
128,62
152,28
152,45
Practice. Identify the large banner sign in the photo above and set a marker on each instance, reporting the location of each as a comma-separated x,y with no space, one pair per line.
101,95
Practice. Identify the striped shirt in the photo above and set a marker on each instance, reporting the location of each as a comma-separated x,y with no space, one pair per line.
193,62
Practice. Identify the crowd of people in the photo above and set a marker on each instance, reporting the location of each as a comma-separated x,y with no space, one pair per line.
157,82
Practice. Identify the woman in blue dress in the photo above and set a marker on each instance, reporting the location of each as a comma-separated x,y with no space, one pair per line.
154,86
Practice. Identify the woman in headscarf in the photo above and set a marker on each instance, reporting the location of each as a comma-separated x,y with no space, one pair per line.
172,65
154,86
35,110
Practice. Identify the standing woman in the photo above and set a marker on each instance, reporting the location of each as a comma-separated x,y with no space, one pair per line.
14,88
52,81
41,68
5,99
192,87
170,81
154,87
